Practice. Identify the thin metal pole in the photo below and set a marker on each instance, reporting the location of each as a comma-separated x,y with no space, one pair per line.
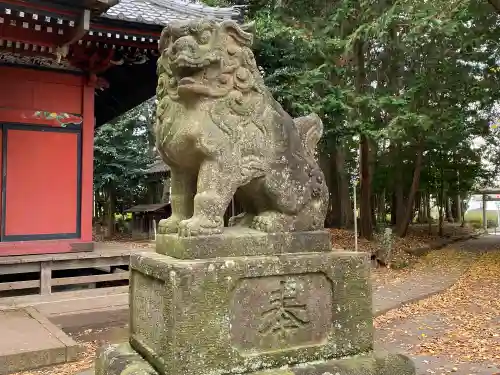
355,218
485,219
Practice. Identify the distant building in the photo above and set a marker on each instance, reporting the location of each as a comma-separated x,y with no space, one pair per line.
159,181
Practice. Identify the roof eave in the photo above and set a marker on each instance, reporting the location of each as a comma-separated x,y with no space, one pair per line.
188,10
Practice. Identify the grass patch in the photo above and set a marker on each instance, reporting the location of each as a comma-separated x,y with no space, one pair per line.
475,218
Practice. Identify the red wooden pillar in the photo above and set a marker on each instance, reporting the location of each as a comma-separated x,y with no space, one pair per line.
87,163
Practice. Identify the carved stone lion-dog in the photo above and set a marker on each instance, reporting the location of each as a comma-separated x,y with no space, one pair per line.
222,134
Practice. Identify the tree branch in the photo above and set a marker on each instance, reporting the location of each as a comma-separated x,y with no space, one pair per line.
495,4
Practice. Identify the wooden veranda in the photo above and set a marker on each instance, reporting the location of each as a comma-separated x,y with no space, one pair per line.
31,279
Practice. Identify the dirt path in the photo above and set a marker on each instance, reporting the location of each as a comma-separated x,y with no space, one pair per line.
432,274
458,330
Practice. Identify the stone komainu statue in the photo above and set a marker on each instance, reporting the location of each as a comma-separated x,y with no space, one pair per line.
222,134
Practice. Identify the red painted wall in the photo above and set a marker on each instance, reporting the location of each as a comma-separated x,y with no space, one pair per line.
42,183
41,195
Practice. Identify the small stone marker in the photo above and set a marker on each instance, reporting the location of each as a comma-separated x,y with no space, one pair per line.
267,295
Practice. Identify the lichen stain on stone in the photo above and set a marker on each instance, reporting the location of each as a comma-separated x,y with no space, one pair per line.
109,349
204,317
240,134
173,277
135,369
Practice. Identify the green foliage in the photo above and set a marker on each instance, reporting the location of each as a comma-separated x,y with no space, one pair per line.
307,48
425,78
122,151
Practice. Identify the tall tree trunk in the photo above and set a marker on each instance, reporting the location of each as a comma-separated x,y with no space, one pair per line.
345,203
449,213
425,207
365,206
458,204
394,207
460,210
429,212
397,214
403,228
326,165
381,211
422,211
340,213
399,196
100,205
110,212
441,220
420,207
442,196
96,206
333,217
454,208
373,205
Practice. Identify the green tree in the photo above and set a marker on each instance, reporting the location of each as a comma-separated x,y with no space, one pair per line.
122,151
409,79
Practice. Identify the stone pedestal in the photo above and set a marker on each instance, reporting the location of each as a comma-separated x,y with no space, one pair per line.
275,307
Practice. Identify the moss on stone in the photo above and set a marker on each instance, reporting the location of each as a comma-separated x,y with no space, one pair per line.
238,241
121,360
194,303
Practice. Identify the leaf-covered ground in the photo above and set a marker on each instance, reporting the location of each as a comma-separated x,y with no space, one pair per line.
461,324
418,237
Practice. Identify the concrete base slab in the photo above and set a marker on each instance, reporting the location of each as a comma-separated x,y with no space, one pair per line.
29,340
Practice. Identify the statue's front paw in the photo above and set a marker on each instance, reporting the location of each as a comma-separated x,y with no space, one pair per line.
170,225
273,222
242,220
200,226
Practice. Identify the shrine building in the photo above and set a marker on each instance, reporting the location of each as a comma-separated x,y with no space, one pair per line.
67,67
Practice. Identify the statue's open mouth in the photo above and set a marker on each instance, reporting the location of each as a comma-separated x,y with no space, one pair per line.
187,68
186,72
187,81
186,75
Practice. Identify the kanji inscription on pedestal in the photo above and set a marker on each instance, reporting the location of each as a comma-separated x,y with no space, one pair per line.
284,313
280,312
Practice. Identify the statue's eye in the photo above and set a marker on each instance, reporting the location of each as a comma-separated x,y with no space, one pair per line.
205,37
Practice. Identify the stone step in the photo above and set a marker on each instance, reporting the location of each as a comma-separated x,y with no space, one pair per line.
29,340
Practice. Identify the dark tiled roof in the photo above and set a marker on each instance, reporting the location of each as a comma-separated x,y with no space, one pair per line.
161,12
158,166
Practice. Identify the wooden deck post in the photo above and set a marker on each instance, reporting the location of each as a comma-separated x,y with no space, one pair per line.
46,278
